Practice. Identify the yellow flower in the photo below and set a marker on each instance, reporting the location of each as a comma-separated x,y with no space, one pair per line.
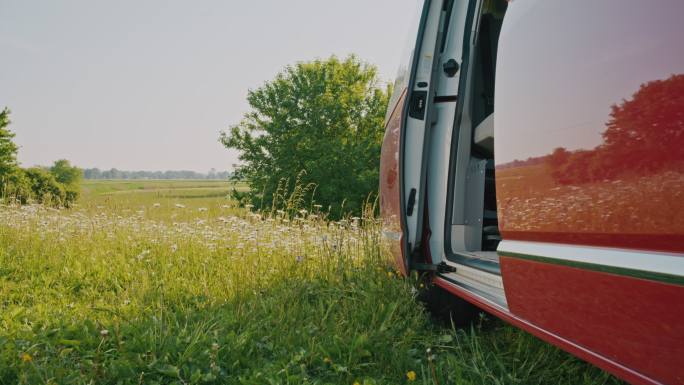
26,357
356,383
390,274
327,360
411,375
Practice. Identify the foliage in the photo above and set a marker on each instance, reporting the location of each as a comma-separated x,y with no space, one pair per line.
132,288
8,153
17,187
65,173
96,173
323,117
57,187
45,188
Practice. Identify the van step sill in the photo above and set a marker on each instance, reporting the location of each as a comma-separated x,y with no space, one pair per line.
482,260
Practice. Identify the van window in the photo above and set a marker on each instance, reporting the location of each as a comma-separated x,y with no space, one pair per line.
403,73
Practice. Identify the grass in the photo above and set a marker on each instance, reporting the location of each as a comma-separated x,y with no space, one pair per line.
165,283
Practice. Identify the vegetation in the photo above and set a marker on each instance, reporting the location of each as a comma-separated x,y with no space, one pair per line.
318,124
8,149
170,283
96,173
57,186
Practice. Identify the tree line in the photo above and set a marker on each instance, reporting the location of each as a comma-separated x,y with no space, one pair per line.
58,185
643,136
96,173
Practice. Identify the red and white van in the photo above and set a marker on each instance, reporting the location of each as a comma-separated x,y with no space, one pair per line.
533,165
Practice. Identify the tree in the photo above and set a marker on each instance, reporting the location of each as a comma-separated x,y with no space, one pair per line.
12,182
45,187
65,173
323,117
69,177
8,150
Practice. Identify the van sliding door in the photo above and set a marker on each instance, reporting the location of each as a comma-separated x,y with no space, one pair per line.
418,118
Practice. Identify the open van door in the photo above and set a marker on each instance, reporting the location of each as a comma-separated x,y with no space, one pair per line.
424,100
419,126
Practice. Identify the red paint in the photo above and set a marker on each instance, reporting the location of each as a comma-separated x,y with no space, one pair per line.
590,150
634,322
583,353
627,192
390,210
590,130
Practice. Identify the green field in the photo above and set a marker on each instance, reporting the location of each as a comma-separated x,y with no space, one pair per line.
169,282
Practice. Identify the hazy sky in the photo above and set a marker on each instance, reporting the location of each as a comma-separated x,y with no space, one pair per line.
149,84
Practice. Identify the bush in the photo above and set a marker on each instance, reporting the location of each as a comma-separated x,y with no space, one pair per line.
318,123
16,187
45,188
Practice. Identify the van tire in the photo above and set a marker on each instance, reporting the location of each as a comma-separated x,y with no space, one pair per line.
448,309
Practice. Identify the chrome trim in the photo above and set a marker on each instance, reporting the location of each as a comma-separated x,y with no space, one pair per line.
657,262
480,283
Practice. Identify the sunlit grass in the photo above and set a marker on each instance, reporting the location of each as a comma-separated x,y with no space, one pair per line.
147,288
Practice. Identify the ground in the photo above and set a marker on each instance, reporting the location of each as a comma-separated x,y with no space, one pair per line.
170,282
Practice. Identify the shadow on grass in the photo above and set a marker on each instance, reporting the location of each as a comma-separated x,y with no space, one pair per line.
355,327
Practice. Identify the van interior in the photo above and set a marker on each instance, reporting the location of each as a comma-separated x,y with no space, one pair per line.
471,228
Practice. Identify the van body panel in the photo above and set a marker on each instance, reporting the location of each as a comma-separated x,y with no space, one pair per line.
390,209
589,153
605,363
631,321
590,129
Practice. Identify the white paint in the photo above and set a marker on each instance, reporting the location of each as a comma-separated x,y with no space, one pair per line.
666,263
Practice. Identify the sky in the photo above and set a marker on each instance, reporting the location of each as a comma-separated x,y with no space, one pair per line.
148,85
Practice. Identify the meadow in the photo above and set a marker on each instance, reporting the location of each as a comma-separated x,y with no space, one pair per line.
170,282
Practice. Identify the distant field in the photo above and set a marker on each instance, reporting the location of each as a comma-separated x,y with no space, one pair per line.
169,282
158,198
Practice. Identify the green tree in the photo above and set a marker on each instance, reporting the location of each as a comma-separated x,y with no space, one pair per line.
323,117
10,174
70,177
65,173
45,187
8,150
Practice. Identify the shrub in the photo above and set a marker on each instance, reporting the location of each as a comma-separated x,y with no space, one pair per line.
45,188
323,117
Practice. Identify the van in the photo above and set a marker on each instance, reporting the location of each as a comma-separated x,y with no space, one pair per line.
533,167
